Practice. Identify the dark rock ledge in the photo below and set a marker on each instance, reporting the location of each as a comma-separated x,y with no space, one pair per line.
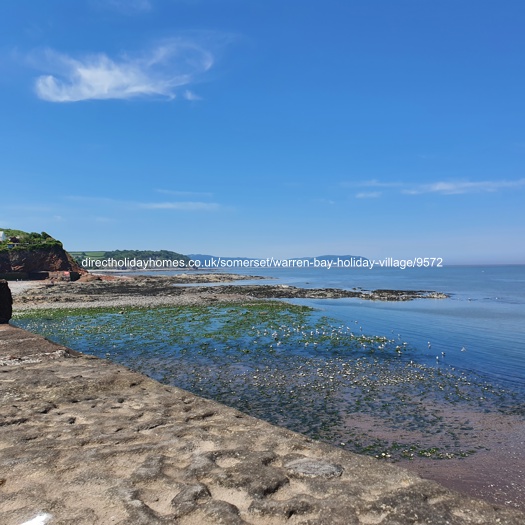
158,289
84,441
283,291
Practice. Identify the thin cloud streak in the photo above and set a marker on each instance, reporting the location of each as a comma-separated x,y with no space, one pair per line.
159,73
456,188
439,188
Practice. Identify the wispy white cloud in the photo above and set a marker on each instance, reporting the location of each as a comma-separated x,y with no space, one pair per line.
440,187
190,95
158,72
455,188
368,195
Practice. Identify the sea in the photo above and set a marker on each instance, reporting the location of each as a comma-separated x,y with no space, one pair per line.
455,392
480,328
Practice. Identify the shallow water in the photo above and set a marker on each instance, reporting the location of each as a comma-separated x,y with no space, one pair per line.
291,366
408,381
480,328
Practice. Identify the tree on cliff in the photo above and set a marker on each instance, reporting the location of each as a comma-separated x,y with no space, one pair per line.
34,252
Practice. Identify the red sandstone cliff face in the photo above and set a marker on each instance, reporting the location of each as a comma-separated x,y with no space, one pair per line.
52,259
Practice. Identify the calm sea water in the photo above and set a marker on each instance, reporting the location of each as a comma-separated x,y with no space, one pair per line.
464,356
480,328
457,388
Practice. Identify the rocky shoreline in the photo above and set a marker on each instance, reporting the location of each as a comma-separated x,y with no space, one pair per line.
28,361
161,290
85,441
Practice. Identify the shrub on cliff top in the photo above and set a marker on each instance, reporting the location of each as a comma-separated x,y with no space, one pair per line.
27,241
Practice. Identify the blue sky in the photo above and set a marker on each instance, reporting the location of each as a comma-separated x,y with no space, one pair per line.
267,127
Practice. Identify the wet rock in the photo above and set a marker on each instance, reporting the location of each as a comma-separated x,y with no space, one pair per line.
6,302
266,291
170,290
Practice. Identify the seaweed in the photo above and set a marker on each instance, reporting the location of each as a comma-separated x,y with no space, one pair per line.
293,367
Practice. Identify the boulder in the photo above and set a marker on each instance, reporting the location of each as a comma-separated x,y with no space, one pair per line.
6,302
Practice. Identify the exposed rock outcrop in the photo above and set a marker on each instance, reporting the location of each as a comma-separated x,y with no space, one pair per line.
6,302
48,259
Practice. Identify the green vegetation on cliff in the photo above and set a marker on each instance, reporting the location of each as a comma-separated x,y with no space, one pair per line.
21,240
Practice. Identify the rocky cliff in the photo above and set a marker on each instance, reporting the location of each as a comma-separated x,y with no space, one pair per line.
44,259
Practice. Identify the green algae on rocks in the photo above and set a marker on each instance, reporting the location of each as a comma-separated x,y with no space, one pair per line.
291,366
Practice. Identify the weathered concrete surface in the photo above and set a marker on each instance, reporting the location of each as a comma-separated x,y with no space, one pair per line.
6,302
89,442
